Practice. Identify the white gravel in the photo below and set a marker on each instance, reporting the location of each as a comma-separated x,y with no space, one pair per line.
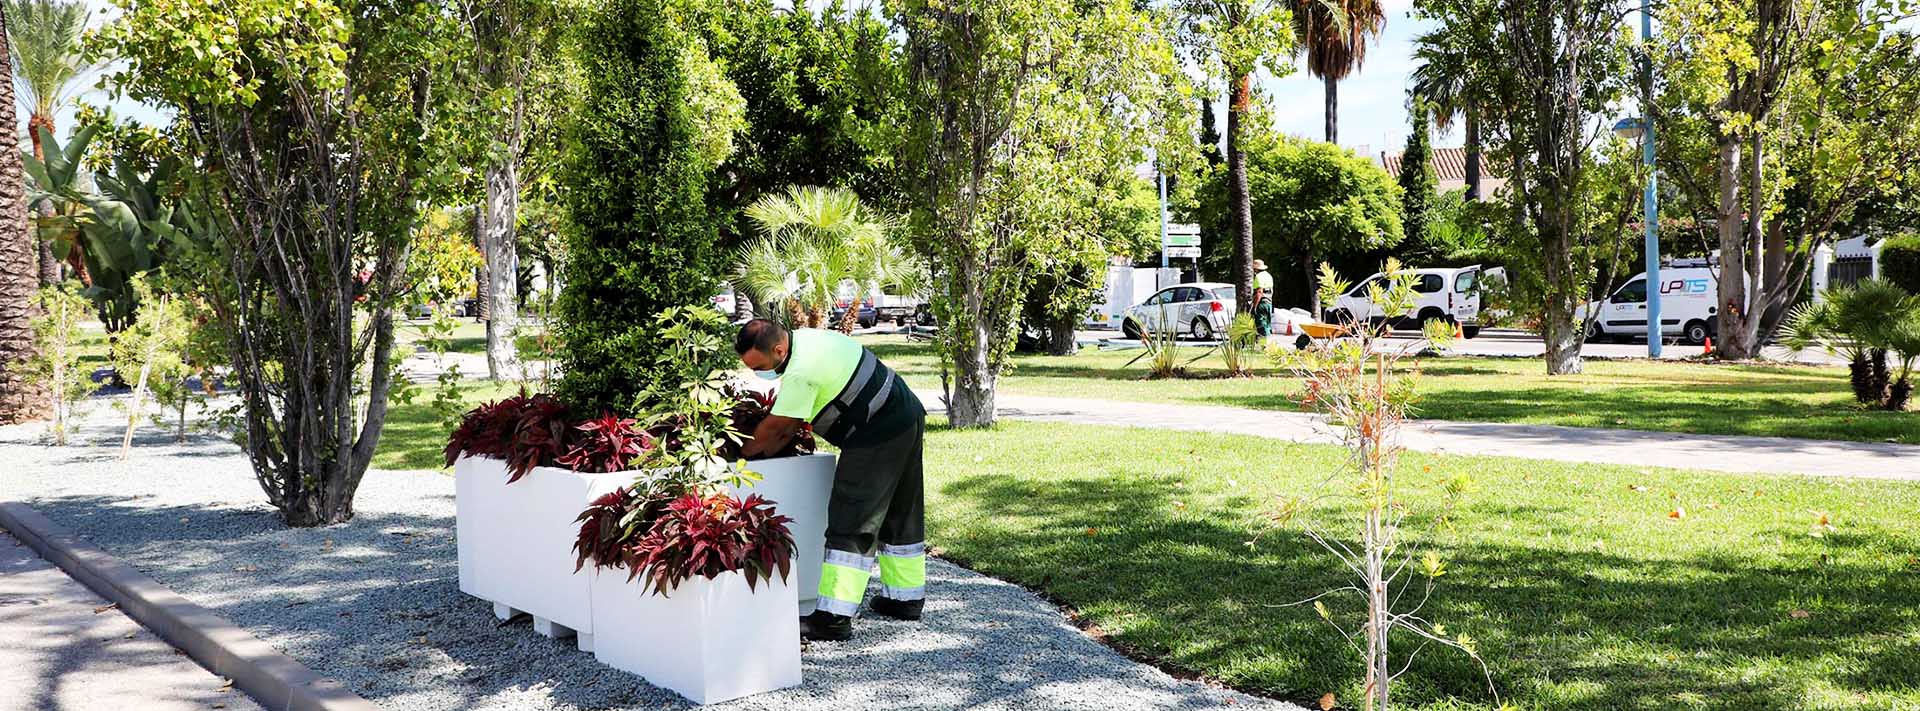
374,603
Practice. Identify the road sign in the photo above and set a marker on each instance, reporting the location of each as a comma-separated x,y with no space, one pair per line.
1175,252
1180,235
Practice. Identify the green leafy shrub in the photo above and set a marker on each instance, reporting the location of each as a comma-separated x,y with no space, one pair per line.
656,118
1900,262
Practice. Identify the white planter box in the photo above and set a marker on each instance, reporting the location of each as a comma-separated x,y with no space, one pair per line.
799,488
515,541
710,640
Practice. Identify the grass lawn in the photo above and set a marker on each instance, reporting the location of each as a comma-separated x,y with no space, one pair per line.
1582,588
1584,593
1781,401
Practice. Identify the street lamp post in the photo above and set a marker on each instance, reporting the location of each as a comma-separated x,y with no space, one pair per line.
1642,127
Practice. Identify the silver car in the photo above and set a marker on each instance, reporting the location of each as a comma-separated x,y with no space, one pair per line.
1201,310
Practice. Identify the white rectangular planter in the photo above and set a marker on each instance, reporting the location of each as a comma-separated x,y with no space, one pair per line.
515,540
709,640
799,488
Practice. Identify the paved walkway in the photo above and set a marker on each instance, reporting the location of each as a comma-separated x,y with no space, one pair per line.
1571,444
62,651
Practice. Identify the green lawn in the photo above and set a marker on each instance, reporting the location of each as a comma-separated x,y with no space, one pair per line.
1782,401
1583,589
1585,593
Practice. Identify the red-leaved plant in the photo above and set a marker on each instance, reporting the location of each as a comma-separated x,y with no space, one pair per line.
525,430
534,430
690,535
539,436
606,444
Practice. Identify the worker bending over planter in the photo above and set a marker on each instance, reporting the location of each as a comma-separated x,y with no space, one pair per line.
859,405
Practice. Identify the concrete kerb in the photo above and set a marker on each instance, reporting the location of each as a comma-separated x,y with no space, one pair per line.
273,679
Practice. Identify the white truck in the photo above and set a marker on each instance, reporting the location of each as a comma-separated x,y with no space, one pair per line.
1689,292
1451,295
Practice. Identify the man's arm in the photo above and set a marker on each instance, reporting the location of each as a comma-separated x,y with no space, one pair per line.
771,436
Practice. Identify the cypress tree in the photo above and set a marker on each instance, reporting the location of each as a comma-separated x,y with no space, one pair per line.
1416,176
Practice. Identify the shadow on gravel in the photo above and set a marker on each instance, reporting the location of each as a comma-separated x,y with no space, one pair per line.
375,603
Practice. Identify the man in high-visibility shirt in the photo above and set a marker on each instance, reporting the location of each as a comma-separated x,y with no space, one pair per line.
1262,300
857,403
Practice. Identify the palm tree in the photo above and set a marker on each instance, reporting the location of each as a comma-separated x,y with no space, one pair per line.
48,72
1334,34
1451,80
1864,323
20,397
812,241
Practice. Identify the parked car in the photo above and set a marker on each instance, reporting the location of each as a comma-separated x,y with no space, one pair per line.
868,316
1201,310
1451,295
1689,294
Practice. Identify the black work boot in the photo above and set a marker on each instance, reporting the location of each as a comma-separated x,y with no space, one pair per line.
823,626
908,610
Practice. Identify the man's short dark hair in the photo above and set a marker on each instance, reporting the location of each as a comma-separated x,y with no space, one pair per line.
759,334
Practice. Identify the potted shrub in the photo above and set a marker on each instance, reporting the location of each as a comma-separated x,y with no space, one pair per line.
699,586
525,468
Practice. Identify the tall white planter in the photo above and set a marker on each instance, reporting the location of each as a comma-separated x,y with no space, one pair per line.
709,640
515,541
799,488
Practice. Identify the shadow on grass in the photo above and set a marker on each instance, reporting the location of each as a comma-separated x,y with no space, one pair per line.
1581,629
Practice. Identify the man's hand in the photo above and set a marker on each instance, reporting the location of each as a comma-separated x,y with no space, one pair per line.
771,436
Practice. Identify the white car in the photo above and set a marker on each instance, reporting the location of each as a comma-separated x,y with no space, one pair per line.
1451,295
1689,291
1201,310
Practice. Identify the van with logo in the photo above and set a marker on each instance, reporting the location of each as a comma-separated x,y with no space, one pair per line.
1688,290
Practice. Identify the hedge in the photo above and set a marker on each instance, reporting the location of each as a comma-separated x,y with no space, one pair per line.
1900,262
641,158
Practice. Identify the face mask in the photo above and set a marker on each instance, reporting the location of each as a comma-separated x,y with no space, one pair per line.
767,374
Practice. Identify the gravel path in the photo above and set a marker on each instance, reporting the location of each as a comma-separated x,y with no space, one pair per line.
375,604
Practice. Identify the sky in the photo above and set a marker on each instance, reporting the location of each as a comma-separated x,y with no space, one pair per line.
1373,101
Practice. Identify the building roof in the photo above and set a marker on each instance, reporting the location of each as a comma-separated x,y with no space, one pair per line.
1449,169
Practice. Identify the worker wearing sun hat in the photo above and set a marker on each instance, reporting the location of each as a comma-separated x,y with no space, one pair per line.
1262,299
861,406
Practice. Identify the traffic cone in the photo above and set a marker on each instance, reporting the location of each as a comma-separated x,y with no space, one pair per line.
1289,327
1457,333
1708,348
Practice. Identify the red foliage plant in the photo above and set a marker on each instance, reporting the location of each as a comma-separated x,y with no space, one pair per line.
606,444
534,430
526,430
690,535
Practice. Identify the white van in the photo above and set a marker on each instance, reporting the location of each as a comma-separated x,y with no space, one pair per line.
1688,295
1451,295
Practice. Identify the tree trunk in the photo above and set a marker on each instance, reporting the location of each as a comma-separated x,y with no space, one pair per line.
49,265
1313,290
21,397
1333,110
1732,311
1473,154
497,241
974,378
1060,340
1239,205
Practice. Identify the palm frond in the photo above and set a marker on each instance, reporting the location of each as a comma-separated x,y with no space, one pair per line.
49,68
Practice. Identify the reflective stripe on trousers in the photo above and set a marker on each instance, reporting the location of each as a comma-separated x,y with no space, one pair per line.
844,576
903,571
